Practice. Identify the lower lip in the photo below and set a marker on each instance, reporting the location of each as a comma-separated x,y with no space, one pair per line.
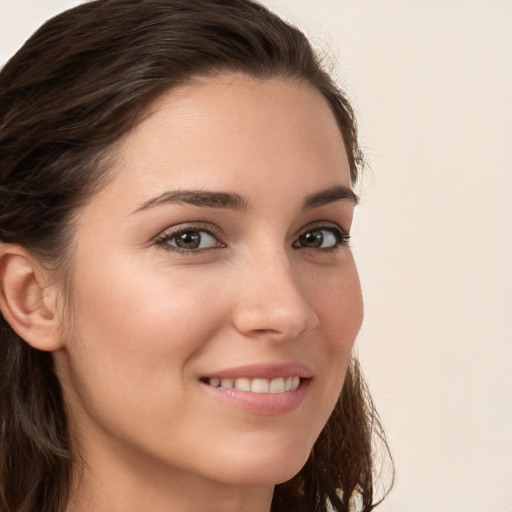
268,404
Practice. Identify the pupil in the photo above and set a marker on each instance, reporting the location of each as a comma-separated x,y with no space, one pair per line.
189,240
312,239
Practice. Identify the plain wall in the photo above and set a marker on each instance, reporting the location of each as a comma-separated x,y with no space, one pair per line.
432,86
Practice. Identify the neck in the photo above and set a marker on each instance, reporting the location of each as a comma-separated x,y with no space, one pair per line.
144,486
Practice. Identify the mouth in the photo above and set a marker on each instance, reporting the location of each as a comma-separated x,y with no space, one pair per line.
262,389
256,385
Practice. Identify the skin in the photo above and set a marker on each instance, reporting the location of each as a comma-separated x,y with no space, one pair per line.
148,321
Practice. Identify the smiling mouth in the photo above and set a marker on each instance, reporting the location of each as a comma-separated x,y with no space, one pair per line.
257,385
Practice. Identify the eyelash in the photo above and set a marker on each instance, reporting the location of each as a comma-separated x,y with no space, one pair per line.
341,237
168,236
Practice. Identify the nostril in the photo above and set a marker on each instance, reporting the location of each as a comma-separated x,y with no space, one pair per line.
279,314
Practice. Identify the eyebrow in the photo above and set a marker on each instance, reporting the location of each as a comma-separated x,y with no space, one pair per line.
198,198
330,195
235,201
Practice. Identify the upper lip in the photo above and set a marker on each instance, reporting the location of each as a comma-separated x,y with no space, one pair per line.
264,371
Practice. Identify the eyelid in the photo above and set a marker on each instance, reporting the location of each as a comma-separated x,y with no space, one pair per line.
173,231
161,239
324,225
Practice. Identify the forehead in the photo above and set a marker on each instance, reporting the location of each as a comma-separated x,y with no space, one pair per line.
231,131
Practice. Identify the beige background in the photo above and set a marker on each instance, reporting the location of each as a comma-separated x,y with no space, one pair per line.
432,85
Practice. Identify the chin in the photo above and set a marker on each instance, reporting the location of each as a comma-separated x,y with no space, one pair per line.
263,467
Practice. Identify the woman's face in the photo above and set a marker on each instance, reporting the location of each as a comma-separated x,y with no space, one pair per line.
214,262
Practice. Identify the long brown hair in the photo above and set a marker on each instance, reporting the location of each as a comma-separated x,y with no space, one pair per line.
78,84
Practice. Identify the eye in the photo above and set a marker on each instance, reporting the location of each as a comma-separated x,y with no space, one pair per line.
324,237
189,239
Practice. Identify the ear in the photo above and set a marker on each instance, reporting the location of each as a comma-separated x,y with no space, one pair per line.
27,301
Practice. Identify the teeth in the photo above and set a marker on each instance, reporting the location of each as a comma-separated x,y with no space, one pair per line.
226,383
215,382
259,386
243,384
279,385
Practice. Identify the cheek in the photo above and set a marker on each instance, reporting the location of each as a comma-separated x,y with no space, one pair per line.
150,308
127,368
338,304
339,307
131,340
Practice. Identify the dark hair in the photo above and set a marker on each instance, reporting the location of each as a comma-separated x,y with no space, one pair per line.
78,84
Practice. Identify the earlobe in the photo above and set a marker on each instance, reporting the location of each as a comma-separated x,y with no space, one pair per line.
27,304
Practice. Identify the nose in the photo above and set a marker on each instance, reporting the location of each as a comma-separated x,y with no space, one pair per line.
270,302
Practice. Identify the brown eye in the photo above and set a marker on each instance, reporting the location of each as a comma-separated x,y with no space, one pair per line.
312,238
190,240
322,238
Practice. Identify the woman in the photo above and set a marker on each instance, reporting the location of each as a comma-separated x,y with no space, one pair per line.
179,300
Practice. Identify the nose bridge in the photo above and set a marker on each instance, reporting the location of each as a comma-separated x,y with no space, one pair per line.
272,302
